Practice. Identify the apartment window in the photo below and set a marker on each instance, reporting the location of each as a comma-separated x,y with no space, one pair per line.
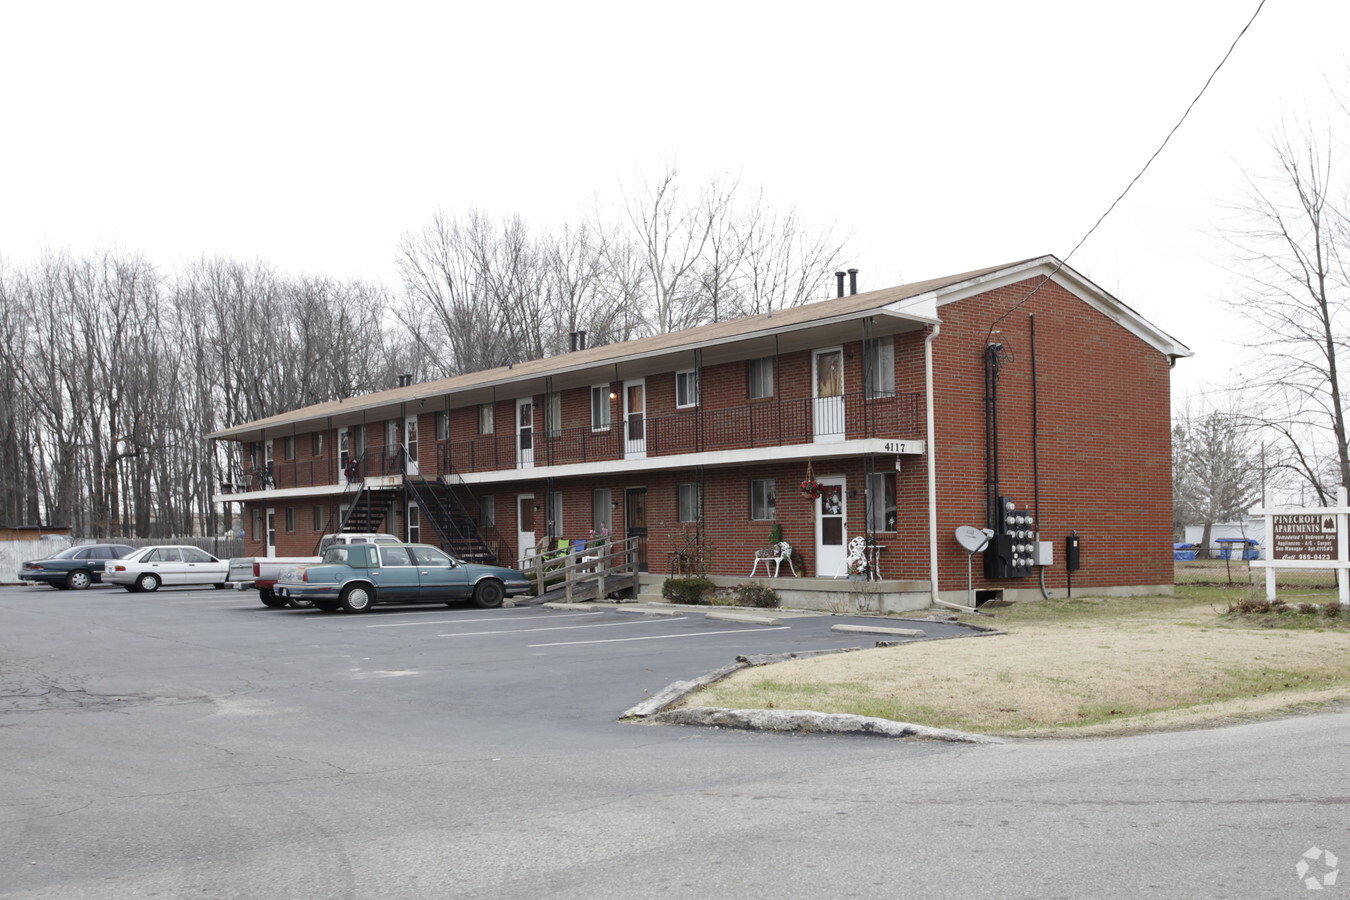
602,511
553,414
759,378
686,388
290,518
763,502
288,447
553,525
442,426
485,424
390,435
318,520
881,501
359,440
316,444
257,525
487,510
880,372
689,505
600,407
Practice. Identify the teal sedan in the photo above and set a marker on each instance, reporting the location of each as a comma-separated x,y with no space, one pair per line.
354,577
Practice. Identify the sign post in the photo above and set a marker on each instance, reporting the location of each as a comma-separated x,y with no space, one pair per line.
1310,538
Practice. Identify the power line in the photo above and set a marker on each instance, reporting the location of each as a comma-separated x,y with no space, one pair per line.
1205,87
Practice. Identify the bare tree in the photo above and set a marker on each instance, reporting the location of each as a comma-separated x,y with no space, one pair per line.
1216,474
1291,256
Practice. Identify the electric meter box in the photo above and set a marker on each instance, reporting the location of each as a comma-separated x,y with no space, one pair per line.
1045,553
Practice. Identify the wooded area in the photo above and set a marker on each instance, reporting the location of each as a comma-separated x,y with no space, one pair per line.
112,370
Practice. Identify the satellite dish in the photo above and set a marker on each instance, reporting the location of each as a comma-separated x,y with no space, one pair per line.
973,539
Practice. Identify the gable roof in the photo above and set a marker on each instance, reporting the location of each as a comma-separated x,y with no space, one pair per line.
913,305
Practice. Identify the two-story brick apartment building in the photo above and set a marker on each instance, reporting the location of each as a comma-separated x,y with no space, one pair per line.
915,409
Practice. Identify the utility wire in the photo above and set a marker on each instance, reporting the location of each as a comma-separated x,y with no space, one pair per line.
1099,221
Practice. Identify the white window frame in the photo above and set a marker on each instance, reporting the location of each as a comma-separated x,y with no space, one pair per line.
687,502
553,415
602,510
318,518
601,414
880,361
553,514
290,519
876,502
686,383
767,499
486,419
755,377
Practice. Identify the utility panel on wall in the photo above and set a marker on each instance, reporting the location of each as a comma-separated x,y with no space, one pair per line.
1011,551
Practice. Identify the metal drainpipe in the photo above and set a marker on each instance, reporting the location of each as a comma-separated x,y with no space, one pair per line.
932,462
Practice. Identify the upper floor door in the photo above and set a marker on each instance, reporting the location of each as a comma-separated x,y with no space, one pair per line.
827,392
410,444
525,433
635,419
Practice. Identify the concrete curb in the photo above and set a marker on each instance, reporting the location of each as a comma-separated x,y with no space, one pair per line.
743,618
878,629
798,721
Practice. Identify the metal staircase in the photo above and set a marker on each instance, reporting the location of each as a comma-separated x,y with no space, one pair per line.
369,510
445,511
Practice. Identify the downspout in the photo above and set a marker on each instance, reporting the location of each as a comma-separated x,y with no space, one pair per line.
932,462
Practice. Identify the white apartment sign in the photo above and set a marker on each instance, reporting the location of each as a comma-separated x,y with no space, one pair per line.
1310,538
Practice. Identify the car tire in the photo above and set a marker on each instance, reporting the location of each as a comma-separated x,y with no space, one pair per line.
78,580
148,582
270,599
357,598
489,593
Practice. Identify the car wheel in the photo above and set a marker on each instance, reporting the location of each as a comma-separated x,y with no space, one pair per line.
326,605
489,594
147,582
77,580
270,599
298,603
356,598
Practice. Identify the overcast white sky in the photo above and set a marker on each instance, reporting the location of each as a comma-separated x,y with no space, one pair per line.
946,137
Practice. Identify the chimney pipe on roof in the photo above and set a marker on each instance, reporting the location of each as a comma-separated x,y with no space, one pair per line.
578,340
839,277
852,281
404,380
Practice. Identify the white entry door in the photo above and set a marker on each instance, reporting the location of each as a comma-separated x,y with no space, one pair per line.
271,532
525,433
410,444
827,391
635,419
831,527
525,526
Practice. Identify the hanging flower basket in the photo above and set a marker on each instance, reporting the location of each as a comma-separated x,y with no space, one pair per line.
810,487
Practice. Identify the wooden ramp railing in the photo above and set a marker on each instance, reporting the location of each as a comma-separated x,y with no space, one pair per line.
586,572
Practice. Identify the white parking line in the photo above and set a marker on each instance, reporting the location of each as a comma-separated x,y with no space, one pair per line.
562,628
662,637
476,619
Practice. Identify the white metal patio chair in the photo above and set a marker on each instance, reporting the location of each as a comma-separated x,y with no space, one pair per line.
778,554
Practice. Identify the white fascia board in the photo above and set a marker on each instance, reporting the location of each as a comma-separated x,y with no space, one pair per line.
708,459
921,308
711,459
1080,287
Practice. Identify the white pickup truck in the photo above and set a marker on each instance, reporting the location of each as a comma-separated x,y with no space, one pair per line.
261,572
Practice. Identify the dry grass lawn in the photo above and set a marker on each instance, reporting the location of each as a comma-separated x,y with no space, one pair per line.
1076,667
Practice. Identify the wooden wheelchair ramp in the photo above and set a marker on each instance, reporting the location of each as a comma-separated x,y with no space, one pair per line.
585,573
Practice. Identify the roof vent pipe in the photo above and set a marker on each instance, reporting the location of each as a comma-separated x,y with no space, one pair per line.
581,340
404,380
852,282
575,336
839,277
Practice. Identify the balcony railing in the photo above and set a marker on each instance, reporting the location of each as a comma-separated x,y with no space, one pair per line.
769,424
766,424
